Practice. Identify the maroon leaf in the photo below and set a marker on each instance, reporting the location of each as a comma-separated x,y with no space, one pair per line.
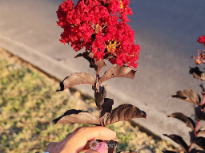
199,115
197,111
117,71
108,56
100,96
203,106
106,106
200,141
191,136
178,140
77,116
188,95
201,131
203,89
197,151
76,79
122,113
202,116
96,64
189,122
112,145
130,151
169,151
197,73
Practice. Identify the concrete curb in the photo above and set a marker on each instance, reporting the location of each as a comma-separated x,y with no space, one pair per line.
157,122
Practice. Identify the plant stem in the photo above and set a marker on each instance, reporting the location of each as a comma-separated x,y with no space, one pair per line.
97,88
197,124
97,82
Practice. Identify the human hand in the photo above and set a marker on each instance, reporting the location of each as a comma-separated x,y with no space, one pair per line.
78,140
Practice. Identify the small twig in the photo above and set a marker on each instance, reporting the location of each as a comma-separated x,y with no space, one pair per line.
97,82
97,88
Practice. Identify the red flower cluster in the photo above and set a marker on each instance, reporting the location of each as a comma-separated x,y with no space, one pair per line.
201,40
99,26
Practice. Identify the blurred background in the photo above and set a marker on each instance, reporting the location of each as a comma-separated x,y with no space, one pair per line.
167,32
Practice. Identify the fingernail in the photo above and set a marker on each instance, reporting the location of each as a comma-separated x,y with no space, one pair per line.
102,147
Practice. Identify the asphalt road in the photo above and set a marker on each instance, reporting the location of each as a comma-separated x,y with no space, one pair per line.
167,32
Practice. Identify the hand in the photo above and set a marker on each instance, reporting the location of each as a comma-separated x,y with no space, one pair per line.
78,140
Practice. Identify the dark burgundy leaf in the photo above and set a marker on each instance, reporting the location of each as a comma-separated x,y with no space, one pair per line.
197,73
108,56
106,106
188,95
197,112
130,151
203,89
112,145
189,122
178,140
200,141
201,131
191,135
77,116
100,96
169,151
76,79
96,64
197,151
203,106
122,113
117,71
84,54
202,116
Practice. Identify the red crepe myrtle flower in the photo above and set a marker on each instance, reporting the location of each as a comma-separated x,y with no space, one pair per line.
201,40
99,26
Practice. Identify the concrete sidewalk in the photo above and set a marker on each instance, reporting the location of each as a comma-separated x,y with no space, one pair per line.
166,31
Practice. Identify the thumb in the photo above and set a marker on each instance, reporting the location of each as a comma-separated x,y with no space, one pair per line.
102,148
91,151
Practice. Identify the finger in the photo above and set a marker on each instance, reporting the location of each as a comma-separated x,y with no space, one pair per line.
94,132
102,148
64,141
68,135
79,138
91,151
50,146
